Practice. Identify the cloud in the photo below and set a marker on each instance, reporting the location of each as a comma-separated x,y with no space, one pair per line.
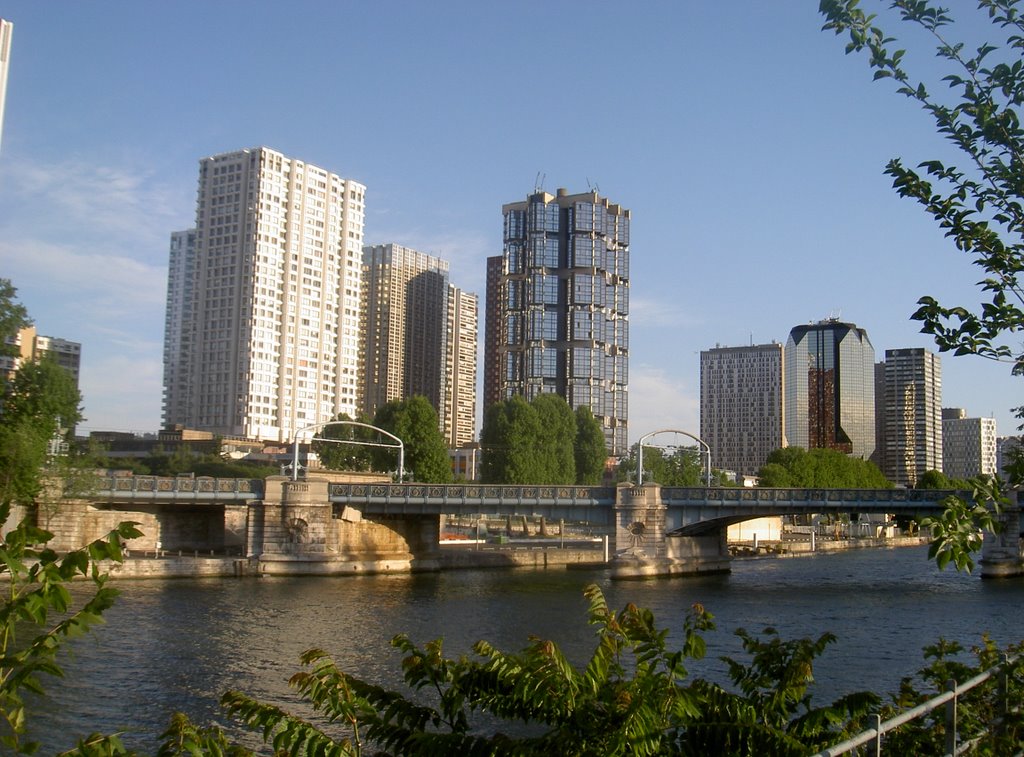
653,313
658,401
122,392
111,203
86,245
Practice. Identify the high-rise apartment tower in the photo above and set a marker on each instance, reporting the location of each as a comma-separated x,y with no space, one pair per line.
494,316
830,388
272,328
564,304
404,324
181,271
909,414
741,417
459,418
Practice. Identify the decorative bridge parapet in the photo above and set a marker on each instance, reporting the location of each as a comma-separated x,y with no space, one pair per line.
701,510
177,489
593,503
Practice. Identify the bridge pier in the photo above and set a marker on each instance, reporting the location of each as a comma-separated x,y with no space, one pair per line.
644,550
1001,553
297,530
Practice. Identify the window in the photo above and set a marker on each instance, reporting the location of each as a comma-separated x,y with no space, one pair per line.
545,290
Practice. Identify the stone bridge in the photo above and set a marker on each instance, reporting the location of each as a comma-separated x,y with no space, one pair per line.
315,526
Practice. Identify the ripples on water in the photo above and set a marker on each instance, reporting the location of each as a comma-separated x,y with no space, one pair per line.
178,645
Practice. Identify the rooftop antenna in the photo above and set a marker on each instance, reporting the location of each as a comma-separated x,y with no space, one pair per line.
538,183
593,187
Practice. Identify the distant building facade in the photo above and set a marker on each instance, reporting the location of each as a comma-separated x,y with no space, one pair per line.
909,409
271,334
459,417
1006,448
494,340
31,345
741,405
968,447
403,323
830,388
419,337
564,305
181,271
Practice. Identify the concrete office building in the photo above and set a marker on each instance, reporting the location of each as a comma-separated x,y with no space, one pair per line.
272,341
968,446
6,32
830,388
909,413
741,405
564,305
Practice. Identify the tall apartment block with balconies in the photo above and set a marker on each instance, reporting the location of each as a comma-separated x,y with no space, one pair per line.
272,339
909,415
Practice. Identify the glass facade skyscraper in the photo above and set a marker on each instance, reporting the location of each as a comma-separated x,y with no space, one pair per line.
830,388
563,299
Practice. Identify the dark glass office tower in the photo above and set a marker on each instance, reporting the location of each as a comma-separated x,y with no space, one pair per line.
830,388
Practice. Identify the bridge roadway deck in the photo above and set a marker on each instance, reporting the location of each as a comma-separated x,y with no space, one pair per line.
690,509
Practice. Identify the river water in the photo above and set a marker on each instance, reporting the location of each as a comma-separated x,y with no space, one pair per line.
177,645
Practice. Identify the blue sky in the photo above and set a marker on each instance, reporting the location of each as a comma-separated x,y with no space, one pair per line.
748,147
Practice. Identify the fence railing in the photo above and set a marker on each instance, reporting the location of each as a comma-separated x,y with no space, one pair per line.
949,698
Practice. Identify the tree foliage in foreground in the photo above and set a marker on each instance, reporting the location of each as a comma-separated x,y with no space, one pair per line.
979,204
820,469
39,615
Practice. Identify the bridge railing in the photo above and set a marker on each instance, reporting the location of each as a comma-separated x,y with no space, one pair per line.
949,699
767,495
131,485
475,492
